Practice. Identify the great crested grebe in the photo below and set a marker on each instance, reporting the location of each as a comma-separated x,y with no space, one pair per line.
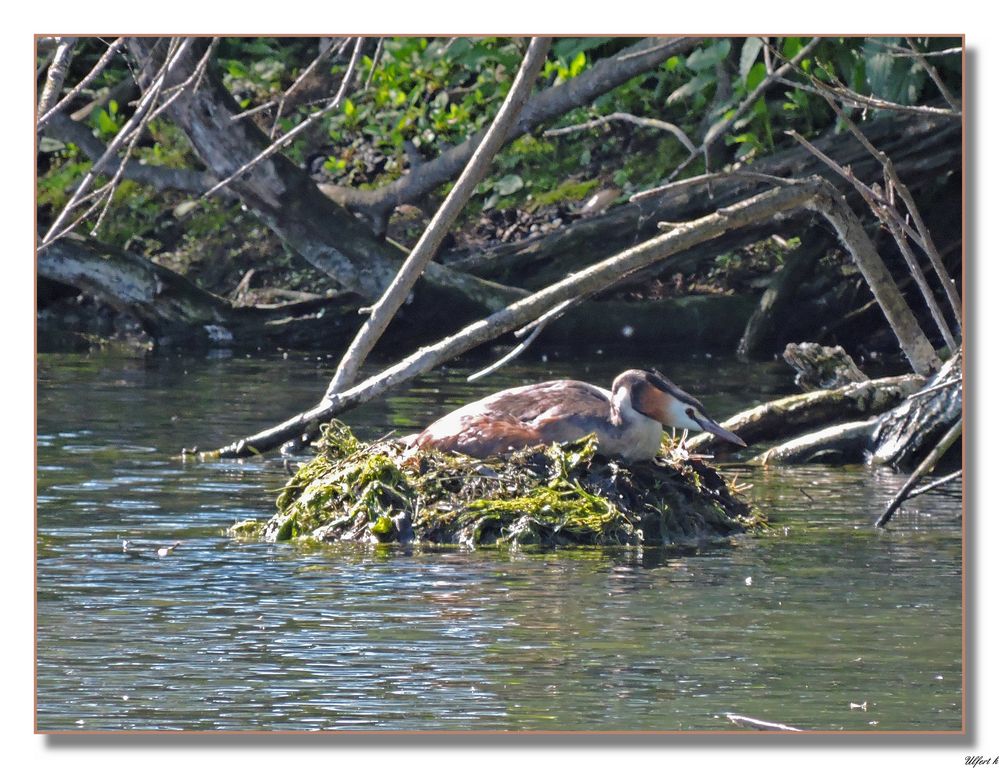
628,420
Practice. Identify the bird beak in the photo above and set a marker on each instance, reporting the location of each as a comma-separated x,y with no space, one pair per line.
717,429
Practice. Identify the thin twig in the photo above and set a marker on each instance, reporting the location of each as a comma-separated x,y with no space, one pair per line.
102,62
135,123
707,178
936,388
924,286
386,307
191,82
624,117
760,725
310,120
924,240
533,329
925,466
936,483
56,76
855,99
901,52
298,81
722,126
375,59
934,75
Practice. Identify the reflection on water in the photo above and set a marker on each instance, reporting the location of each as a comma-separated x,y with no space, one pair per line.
823,623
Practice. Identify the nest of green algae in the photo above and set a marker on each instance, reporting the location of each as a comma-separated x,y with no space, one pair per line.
555,495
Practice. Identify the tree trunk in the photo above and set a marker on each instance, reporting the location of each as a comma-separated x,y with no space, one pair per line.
286,200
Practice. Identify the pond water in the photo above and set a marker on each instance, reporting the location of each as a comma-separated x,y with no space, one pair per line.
822,623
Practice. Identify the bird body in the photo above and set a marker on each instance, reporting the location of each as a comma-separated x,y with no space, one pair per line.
627,420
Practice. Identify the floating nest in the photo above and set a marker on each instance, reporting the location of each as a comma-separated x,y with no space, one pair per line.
558,495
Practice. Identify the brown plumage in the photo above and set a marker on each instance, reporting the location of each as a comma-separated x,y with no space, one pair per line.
627,419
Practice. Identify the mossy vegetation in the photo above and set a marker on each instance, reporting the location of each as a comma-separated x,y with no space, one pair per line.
559,495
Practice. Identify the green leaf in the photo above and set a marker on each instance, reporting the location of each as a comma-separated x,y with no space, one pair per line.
578,64
348,107
509,184
706,58
756,75
692,87
893,78
791,47
750,50
383,526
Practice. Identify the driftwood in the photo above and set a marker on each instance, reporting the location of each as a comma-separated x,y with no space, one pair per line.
821,367
897,436
797,413
173,311
908,430
927,464
847,443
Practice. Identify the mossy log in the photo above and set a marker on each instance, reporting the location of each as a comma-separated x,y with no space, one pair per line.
559,495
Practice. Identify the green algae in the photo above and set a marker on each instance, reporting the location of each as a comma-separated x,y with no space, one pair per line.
558,495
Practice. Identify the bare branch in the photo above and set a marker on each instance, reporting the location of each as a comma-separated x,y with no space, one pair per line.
722,126
386,307
310,120
925,466
534,328
375,58
89,78
298,81
158,177
934,75
135,124
646,122
924,240
56,76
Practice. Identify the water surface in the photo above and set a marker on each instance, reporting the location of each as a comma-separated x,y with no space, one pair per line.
822,623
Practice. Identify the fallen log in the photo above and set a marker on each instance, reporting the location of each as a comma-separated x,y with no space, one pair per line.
797,413
898,436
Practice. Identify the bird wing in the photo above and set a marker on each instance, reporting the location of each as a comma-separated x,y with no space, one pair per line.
552,411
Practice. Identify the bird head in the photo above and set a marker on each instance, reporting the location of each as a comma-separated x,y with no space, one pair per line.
655,396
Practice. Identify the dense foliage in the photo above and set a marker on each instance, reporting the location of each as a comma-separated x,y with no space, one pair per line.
414,97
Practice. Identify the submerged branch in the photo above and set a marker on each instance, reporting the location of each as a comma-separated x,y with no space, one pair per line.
925,466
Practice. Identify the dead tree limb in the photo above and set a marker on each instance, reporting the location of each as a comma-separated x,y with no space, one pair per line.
158,177
914,344
283,196
56,75
934,75
794,414
924,239
624,117
75,91
925,466
762,207
386,307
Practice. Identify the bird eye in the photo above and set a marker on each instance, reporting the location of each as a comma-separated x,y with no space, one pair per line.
690,412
